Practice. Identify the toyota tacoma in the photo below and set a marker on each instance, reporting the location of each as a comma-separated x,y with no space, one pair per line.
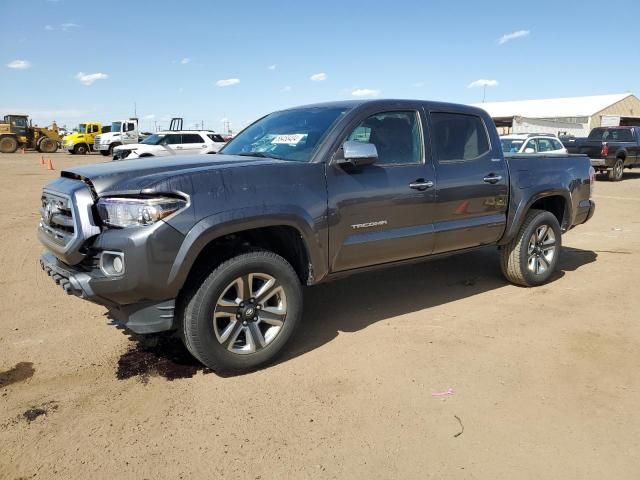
218,248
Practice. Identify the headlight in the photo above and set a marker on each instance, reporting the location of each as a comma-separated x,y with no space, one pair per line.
125,212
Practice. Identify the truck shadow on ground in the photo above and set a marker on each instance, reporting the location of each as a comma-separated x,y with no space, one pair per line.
350,305
354,303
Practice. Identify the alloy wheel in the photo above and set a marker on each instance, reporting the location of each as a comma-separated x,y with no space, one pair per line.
541,250
250,313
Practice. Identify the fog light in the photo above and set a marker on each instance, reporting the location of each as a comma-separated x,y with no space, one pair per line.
118,266
112,263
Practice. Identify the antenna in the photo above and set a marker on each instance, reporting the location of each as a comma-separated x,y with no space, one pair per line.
135,110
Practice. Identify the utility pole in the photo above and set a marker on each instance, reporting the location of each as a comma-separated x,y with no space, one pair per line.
135,110
484,93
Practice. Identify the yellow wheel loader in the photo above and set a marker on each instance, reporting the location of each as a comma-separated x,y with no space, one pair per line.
16,131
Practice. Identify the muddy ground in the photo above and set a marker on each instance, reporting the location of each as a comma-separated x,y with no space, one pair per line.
544,381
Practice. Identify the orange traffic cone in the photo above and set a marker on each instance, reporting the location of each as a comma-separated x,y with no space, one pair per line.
41,159
50,166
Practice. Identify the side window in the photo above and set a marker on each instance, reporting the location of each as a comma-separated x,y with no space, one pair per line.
396,136
557,145
192,138
215,137
533,144
545,145
459,136
94,128
130,127
173,139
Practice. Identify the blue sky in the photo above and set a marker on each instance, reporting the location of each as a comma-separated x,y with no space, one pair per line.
168,56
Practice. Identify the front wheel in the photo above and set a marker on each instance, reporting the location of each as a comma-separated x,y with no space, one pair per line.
616,173
81,149
243,313
48,145
8,144
532,256
104,153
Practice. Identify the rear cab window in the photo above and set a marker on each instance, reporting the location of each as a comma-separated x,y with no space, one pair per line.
459,136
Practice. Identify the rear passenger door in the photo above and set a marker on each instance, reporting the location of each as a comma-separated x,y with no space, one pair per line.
192,144
472,182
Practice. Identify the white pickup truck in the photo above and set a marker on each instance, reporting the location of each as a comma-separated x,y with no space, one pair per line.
124,132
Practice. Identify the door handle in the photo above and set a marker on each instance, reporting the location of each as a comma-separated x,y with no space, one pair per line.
420,184
492,178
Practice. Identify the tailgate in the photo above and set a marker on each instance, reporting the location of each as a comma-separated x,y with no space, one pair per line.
591,149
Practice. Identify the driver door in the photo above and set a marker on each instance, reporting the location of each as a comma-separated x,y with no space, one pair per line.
382,212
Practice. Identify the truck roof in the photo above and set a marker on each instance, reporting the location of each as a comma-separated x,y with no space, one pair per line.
390,102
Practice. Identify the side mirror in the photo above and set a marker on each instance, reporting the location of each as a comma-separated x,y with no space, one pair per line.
529,150
358,154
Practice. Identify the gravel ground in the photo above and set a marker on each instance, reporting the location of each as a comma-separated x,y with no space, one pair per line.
544,382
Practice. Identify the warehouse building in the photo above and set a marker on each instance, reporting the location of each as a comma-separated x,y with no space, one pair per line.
564,116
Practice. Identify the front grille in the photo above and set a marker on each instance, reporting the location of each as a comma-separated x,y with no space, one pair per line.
56,218
67,223
96,142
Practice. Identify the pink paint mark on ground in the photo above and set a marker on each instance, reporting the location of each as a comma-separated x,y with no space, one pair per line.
446,393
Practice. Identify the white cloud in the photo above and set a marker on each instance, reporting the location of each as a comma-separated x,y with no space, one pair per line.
151,116
286,88
507,37
271,67
483,83
19,64
89,78
48,27
227,82
185,60
365,92
68,26
418,84
318,77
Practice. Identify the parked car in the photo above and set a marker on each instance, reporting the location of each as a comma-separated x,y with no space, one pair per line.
170,142
216,248
611,149
531,143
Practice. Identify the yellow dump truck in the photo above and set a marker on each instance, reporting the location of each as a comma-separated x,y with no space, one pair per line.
16,131
81,140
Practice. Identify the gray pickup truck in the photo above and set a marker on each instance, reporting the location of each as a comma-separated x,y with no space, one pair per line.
218,248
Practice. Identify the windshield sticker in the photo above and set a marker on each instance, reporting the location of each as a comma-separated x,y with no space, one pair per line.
290,139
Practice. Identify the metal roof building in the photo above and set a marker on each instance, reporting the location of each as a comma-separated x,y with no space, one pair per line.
572,115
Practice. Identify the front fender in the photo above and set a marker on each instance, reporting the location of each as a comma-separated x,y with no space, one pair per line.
237,220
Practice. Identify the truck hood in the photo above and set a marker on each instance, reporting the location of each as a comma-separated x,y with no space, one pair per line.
133,176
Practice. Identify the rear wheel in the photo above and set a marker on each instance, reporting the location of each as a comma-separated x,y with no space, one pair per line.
8,144
616,173
532,256
243,313
81,149
48,145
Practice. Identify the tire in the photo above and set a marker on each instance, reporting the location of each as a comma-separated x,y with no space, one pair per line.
47,145
616,173
111,147
104,153
522,265
81,149
221,330
8,144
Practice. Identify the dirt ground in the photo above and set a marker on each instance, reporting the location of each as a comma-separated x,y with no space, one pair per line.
545,382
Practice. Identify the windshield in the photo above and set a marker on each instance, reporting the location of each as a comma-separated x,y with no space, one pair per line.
288,135
611,134
511,145
154,139
115,126
82,128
